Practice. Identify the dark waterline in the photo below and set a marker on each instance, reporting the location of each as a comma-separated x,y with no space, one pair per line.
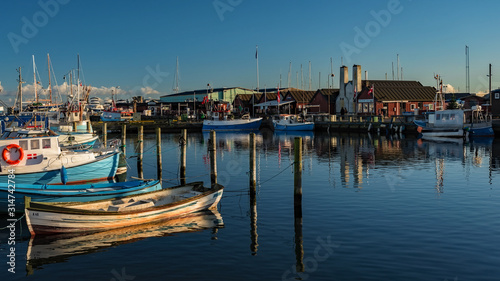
373,208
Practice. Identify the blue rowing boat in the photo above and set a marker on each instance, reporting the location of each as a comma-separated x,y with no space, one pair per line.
14,194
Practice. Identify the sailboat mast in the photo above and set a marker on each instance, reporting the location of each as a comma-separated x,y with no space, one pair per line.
34,78
50,85
20,91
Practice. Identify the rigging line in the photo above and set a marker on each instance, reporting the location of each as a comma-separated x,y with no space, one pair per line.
14,222
261,183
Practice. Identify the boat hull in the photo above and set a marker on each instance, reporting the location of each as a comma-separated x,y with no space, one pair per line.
102,168
45,218
308,126
232,125
74,193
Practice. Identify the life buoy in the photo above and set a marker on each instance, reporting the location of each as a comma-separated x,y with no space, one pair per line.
7,149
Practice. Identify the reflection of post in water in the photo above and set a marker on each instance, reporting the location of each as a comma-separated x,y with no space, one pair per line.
439,175
253,220
253,197
299,248
140,143
182,141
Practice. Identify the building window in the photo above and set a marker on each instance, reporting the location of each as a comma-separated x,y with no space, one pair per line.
412,106
497,96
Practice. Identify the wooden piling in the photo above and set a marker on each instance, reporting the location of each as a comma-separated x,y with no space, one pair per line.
89,127
124,139
253,172
183,141
75,127
159,167
297,173
140,137
213,161
105,133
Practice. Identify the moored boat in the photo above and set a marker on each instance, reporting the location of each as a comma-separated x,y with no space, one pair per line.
289,122
221,122
60,247
170,203
38,159
72,193
455,123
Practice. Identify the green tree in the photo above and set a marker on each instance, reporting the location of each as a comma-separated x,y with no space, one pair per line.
452,104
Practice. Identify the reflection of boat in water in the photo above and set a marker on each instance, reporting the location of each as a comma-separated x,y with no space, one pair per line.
59,248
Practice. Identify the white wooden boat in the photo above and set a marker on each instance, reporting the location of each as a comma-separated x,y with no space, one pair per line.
45,249
46,218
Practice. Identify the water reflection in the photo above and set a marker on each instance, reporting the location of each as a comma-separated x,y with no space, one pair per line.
59,248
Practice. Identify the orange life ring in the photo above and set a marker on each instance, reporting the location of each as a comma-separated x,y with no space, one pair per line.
7,149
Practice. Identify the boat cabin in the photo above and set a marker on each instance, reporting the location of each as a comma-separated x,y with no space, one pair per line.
446,118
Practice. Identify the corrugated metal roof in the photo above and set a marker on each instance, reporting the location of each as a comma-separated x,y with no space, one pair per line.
302,96
390,90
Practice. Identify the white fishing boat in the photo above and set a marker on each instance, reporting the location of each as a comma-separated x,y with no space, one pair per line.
290,122
222,122
39,159
170,203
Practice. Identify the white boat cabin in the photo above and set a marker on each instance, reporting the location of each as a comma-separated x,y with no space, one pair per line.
452,118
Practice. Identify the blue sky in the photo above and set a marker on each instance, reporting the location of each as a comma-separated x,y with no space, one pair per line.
134,44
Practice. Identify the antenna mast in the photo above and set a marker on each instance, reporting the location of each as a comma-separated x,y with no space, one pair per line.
289,74
309,75
467,73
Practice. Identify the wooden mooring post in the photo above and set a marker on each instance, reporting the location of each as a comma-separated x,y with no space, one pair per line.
183,142
158,154
75,127
89,127
212,147
105,134
140,137
124,140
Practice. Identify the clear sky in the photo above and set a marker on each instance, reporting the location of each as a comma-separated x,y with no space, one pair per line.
134,44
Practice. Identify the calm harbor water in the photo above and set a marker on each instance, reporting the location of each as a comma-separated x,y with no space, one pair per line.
373,208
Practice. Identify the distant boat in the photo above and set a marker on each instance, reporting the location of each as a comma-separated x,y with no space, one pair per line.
74,193
215,122
289,122
170,203
59,247
456,123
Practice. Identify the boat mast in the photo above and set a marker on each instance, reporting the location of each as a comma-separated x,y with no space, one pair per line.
34,79
20,90
50,85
